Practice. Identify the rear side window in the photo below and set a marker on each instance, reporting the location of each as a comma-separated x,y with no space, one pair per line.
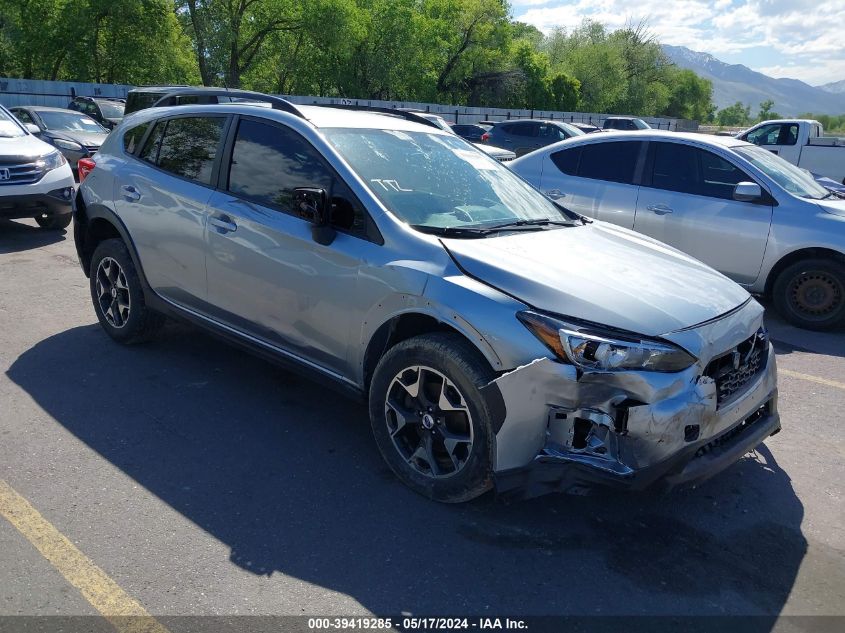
133,137
614,162
141,100
187,147
523,129
567,160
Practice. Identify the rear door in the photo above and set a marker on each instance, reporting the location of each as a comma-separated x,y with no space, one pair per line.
596,179
686,200
161,195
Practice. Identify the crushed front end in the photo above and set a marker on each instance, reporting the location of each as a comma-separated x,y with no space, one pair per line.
568,429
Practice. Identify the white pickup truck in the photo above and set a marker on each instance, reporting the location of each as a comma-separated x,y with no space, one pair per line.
801,142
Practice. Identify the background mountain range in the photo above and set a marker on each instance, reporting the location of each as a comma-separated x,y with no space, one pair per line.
735,82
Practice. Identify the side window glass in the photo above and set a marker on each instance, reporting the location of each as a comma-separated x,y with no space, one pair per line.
23,116
567,160
150,151
524,129
346,211
190,146
789,134
766,135
719,177
269,162
132,137
675,168
614,161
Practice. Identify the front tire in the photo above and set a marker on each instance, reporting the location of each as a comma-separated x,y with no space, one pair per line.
430,421
118,296
54,222
811,294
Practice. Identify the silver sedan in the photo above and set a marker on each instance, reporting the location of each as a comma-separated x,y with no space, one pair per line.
749,214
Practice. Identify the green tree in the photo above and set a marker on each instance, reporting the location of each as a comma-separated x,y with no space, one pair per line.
690,96
734,115
766,112
566,92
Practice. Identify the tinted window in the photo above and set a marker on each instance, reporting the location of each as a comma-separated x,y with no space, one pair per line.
692,170
189,147
133,136
614,162
523,129
269,162
675,167
549,131
141,100
151,147
23,116
719,177
567,160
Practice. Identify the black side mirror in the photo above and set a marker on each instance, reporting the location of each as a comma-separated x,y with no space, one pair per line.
311,204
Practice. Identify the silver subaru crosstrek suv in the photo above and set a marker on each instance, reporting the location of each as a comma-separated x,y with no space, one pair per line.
500,339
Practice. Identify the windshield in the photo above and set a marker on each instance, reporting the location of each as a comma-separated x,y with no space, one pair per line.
432,180
9,127
69,122
796,181
111,109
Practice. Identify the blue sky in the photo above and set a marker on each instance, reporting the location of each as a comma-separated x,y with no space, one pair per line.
802,39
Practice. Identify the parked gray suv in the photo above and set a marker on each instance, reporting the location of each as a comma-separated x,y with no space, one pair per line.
499,339
525,135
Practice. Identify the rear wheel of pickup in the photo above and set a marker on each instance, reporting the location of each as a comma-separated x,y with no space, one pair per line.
118,297
54,222
811,294
430,421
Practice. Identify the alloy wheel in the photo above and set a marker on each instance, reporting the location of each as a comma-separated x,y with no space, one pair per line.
429,422
113,292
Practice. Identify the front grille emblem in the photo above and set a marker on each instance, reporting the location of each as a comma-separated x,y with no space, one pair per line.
5,174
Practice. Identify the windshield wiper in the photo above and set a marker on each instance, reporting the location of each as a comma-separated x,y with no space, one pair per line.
450,231
537,222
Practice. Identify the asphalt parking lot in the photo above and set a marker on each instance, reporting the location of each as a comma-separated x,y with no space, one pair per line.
201,480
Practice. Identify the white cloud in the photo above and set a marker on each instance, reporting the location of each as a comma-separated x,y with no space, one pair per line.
799,38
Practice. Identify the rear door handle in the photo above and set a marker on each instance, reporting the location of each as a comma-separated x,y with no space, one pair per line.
659,209
223,223
555,194
130,193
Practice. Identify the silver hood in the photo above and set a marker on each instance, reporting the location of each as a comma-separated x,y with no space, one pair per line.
603,274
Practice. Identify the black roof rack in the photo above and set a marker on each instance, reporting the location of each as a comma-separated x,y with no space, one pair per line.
277,103
404,114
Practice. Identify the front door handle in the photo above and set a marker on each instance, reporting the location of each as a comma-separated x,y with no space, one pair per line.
555,194
223,223
659,209
130,193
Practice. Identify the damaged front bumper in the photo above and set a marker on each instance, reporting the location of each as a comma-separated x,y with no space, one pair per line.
567,430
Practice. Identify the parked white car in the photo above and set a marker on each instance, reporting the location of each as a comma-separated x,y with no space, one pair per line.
35,178
801,142
741,209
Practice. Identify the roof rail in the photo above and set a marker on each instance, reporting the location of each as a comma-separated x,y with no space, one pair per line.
404,114
171,98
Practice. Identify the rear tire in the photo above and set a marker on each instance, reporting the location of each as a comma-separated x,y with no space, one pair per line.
118,296
54,222
810,294
439,442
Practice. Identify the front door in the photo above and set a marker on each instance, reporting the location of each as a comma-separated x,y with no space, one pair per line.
267,276
686,200
778,138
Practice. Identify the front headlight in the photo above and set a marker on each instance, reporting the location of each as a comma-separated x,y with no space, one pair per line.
63,144
590,348
53,160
